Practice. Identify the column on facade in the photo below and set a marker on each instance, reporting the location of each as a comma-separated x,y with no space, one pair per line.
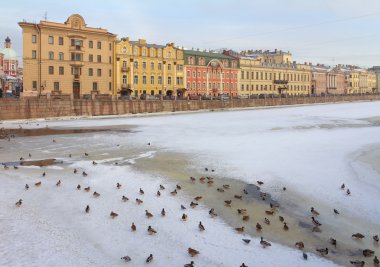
220,81
207,80
132,74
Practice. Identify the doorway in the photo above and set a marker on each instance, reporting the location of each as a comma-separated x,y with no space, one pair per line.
76,90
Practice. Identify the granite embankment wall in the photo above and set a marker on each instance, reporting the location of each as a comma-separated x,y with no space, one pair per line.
13,109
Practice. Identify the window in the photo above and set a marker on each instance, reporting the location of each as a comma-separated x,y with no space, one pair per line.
61,71
124,49
99,58
194,86
199,74
188,74
51,55
144,65
61,56
151,92
144,79
151,79
152,66
124,64
110,46
99,72
109,73
90,58
159,66
169,80
34,54
136,65
60,40
34,39
194,74
94,86
90,72
34,85
136,79
76,57
159,80
99,45
169,65
51,70
188,85
144,52
124,79
51,40
56,86
90,44
110,60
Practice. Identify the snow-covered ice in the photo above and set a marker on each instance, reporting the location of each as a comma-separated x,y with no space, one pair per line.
311,150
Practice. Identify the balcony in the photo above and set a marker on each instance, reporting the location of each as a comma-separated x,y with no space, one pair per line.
76,48
124,69
280,81
76,77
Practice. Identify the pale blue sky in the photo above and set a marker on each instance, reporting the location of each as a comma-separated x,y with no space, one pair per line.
324,31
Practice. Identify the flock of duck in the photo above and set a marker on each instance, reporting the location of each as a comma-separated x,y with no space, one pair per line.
270,212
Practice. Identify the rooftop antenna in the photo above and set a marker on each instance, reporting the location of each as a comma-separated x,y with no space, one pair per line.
45,16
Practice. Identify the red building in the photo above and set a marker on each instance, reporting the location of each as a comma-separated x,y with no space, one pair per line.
209,73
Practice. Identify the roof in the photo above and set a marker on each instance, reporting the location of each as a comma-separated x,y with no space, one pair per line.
206,54
146,45
9,54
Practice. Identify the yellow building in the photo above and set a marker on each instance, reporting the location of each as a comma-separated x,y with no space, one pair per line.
359,81
272,73
67,58
149,69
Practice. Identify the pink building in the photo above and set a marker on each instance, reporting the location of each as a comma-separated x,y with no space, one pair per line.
10,59
326,80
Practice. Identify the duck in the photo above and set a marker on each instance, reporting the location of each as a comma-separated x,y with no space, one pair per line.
126,258
376,261
148,144
333,241
323,251
376,238
267,221
19,203
304,255
226,186
243,265
221,190
258,227
151,231
357,263
158,193
26,186
238,197
87,189
206,169
348,192
96,194
368,253
30,155
38,183
210,182
202,180
173,193
192,179
178,187
286,227
245,191
58,183
133,227
264,243
269,212
113,214
15,167
246,218
240,229
201,227
148,214
139,201
242,211
192,252
281,218
228,203
78,187
149,259
75,171
193,204
84,173
247,241
5,167
260,183
118,186
300,245
212,212
316,229
124,198
198,198
163,213
316,223
162,187
87,209
191,264
336,211
184,217
94,163
284,188
274,205
43,174
86,154
314,212
358,236
141,192
342,186
183,207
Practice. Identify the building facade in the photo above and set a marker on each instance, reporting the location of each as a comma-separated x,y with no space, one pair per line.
359,80
376,71
209,73
10,59
326,80
149,69
67,58
271,73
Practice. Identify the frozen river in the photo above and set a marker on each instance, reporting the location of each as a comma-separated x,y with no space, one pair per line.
310,150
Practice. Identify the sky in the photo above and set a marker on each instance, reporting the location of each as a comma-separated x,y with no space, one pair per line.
318,31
